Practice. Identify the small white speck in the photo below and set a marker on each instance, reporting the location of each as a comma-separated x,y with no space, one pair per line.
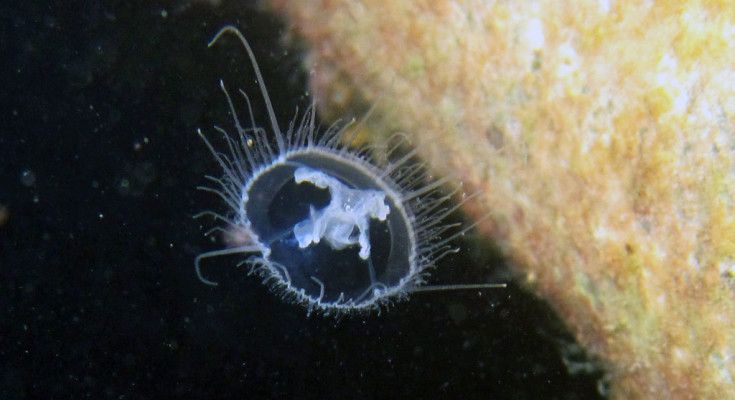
604,6
693,261
27,178
679,353
568,60
727,268
533,34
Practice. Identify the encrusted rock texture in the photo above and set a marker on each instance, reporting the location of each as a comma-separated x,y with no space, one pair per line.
601,135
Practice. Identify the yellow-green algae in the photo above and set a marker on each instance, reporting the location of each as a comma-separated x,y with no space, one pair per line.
601,134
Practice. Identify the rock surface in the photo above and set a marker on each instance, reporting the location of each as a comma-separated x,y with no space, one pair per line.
602,136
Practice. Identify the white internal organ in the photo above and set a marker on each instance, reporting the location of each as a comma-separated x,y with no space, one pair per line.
348,209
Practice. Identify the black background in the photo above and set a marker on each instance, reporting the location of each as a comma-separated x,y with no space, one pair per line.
99,161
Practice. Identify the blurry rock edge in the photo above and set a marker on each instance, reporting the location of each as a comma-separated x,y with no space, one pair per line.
602,136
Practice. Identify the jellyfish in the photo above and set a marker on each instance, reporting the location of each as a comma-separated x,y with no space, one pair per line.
320,222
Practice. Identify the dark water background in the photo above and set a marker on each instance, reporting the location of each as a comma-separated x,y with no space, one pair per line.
98,297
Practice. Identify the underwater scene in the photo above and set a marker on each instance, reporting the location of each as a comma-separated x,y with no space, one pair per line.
367,200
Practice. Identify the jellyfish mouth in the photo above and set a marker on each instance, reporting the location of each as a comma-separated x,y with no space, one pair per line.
348,212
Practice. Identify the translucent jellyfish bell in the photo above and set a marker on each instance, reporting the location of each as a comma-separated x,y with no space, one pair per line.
320,223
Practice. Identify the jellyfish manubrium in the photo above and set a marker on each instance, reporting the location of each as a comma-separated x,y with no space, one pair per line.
319,222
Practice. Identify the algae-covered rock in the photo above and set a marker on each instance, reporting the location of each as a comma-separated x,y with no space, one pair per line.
602,137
